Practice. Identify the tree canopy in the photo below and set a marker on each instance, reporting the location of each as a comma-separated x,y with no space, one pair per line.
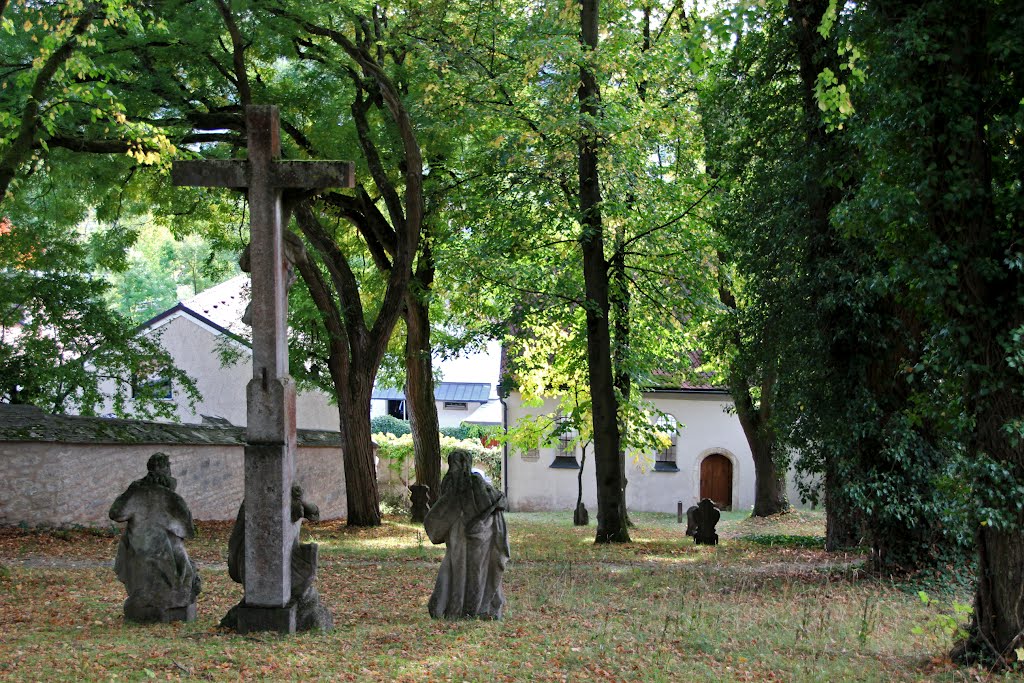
819,201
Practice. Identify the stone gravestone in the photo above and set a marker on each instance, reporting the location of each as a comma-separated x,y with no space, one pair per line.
420,501
270,431
580,516
152,562
309,613
700,522
468,517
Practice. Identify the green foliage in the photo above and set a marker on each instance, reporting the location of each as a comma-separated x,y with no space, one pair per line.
398,452
159,266
786,541
946,622
388,424
820,309
63,348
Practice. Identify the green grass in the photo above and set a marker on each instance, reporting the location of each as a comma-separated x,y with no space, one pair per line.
658,609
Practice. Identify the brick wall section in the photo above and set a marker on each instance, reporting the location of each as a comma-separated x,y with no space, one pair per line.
61,470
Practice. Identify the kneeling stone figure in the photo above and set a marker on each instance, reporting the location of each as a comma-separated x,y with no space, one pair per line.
152,562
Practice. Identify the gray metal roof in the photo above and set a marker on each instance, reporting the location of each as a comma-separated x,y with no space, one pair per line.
468,392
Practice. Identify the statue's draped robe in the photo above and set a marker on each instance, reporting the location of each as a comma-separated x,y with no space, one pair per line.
151,558
470,520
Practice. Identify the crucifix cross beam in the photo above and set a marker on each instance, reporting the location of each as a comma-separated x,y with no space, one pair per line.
264,174
270,395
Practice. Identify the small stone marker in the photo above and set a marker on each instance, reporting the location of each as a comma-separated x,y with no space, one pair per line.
270,439
700,522
152,562
420,502
580,516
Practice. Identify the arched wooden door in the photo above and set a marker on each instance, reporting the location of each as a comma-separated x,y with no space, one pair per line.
716,480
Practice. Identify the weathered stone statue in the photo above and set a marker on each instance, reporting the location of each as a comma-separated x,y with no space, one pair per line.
468,517
309,613
580,516
420,502
700,522
295,253
152,563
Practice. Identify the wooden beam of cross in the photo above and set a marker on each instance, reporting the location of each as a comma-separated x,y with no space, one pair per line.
270,395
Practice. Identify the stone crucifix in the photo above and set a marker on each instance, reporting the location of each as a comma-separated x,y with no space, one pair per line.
270,395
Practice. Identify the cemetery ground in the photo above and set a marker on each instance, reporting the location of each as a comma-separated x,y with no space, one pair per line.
766,604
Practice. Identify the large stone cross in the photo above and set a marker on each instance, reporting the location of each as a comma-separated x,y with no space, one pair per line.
270,431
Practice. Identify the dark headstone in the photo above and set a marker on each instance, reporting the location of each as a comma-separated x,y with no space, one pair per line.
303,611
700,522
420,502
468,517
152,562
580,516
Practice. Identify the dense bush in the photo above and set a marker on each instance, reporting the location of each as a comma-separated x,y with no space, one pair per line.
387,424
397,452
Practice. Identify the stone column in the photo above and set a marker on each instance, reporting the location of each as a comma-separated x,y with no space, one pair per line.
270,447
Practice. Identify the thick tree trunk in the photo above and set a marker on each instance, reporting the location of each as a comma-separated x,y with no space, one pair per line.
842,523
997,628
360,468
993,316
419,386
769,480
611,504
619,303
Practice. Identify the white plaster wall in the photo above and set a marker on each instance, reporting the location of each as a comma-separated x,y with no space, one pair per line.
453,418
706,428
378,407
194,347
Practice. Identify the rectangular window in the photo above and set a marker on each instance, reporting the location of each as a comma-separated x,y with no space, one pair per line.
565,447
456,405
396,408
153,387
665,458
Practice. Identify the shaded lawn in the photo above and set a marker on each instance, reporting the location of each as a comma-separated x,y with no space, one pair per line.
659,609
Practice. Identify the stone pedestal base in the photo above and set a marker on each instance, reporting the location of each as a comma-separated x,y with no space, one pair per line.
148,614
250,619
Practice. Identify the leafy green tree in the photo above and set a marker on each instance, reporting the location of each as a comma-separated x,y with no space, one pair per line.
519,244
62,345
944,163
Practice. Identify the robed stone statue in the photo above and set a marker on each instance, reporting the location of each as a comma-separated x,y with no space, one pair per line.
152,562
469,518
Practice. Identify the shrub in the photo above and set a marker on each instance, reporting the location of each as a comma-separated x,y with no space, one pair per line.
387,424
396,451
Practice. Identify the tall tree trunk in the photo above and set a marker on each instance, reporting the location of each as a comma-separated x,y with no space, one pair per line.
611,503
843,527
769,479
619,303
968,90
419,379
360,468
815,53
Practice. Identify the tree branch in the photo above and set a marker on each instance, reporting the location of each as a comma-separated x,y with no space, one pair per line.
676,219
22,145
237,53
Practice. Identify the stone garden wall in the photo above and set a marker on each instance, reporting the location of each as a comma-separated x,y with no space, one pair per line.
61,470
